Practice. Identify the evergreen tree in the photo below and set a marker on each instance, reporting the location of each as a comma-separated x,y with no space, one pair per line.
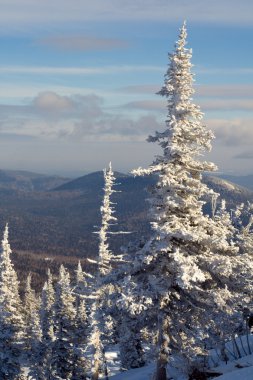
132,354
46,311
104,263
11,320
80,341
81,283
188,265
31,313
33,333
242,218
37,369
107,210
64,317
47,324
80,362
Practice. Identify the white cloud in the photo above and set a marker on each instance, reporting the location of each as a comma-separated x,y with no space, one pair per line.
77,70
29,12
208,90
236,132
76,117
51,102
225,90
205,104
148,105
227,105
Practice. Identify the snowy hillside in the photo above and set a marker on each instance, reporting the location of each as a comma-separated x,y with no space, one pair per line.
146,373
235,369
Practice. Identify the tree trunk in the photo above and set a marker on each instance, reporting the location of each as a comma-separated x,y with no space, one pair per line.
163,346
105,367
160,371
95,372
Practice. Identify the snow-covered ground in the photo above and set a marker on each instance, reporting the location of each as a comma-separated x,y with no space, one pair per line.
235,369
230,373
145,373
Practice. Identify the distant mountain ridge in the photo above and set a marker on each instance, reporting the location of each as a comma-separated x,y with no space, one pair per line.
29,181
245,180
53,224
229,190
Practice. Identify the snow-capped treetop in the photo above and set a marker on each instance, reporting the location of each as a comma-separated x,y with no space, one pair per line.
8,277
80,277
242,218
64,298
11,319
30,302
185,137
6,249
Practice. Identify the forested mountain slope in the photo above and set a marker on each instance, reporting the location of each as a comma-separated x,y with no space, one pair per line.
58,224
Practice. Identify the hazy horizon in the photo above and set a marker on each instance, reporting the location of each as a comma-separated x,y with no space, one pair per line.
79,173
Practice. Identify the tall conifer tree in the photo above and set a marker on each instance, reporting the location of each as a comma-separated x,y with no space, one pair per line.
105,259
64,317
188,265
11,320
47,324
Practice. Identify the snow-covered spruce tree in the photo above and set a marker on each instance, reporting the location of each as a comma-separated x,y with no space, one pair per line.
242,218
83,284
33,333
31,307
64,317
104,266
107,210
188,265
81,290
133,315
47,323
80,361
80,282
130,308
11,320
46,309
36,363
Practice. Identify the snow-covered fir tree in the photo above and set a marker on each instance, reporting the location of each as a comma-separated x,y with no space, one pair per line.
11,319
83,285
47,323
33,333
80,282
31,312
36,362
242,218
104,266
129,311
80,340
188,265
107,210
64,317
46,310
80,361
132,354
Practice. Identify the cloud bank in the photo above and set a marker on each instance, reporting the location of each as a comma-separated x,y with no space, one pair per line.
28,12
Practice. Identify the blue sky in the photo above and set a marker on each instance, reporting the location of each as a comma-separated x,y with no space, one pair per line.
78,80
